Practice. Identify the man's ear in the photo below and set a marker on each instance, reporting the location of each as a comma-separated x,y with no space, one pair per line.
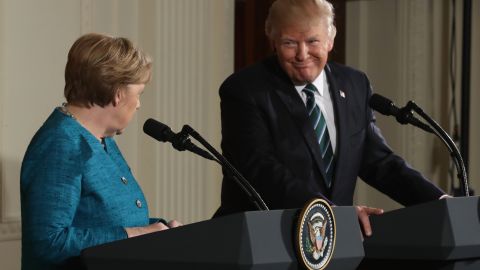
330,45
272,46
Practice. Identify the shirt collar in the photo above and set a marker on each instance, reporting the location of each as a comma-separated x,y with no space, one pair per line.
318,82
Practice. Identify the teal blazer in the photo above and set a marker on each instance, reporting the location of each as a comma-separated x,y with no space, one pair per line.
75,193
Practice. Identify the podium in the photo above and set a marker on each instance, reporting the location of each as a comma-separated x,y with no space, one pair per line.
249,240
443,234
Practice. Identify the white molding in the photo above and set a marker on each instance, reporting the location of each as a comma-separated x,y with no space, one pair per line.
115,17
474,169
357,29
357,55
10,231
403,65
414,75
363,42
2,90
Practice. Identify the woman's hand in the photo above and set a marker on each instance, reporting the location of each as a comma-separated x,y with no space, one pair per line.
174,223
155,227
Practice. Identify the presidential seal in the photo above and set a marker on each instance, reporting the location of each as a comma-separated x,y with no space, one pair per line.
315,237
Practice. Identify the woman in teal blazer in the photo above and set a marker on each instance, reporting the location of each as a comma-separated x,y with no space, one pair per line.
77,190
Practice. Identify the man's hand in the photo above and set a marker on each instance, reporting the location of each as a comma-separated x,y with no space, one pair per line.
363,213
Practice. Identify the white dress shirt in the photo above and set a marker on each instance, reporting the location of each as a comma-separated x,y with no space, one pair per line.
324,101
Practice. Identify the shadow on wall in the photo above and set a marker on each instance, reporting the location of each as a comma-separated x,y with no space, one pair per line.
10,228
10,190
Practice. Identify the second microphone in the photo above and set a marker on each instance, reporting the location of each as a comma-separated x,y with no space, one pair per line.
180,141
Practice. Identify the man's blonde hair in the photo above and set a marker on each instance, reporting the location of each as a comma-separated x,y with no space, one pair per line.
294,12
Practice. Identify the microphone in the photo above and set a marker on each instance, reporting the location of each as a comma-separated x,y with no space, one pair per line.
383,105
180,141
403,115
249,190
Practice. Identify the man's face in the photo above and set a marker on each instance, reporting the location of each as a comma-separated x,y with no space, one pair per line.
302,51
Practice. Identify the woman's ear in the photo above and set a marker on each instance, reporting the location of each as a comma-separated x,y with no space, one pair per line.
118,96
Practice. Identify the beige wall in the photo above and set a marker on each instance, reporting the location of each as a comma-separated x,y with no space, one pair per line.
403,47
191,43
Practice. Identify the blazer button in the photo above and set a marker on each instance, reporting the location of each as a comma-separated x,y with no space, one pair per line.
139,203
124,180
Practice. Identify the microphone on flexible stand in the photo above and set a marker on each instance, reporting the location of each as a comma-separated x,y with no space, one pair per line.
405,116
244,184
181,142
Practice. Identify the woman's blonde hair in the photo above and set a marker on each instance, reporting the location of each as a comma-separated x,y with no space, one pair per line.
98,65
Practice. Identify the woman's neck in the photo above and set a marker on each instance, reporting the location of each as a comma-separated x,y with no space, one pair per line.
93,119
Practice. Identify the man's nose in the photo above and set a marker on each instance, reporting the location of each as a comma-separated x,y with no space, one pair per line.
302,52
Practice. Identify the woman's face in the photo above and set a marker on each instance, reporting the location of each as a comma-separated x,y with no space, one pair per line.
128,102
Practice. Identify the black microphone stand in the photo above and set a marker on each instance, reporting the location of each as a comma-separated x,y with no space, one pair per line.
241,181
405,116
446,139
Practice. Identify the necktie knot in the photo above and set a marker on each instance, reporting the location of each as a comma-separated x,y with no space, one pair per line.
310,89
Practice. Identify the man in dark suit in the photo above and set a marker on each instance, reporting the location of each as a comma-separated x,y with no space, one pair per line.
299,128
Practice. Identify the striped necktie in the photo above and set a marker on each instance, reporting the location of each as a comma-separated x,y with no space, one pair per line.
320,126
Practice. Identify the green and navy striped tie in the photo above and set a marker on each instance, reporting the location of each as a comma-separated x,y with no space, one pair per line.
320,126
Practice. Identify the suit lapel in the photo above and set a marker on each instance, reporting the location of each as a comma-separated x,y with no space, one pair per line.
288,95
339,100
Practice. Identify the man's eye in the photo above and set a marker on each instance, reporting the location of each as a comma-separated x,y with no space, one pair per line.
289,43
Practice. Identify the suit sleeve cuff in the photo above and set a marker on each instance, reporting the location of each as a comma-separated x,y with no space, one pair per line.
445,196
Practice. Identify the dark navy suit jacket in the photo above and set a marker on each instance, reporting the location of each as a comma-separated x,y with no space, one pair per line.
266,135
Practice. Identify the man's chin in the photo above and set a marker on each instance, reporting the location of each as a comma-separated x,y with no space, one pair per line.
303,80
305,77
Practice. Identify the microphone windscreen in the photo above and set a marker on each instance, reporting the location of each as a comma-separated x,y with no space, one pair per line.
157,130
382,105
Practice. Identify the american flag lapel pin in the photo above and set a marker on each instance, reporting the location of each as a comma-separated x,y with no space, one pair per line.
342,94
